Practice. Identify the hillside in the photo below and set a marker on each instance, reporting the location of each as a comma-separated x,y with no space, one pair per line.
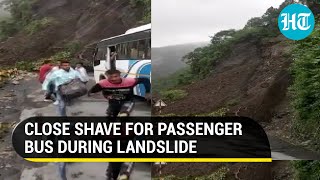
167,60
251,72
43,28
254,77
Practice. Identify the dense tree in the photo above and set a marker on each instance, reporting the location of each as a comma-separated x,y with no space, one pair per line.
254,22
20,10
222,36
306,87
145,6
307,169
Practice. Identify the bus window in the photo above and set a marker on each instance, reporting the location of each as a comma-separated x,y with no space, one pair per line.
112,49
122,52
133,49
148,49
101,54
113,57
141,49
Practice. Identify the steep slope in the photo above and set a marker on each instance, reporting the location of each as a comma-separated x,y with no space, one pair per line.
251,81
82,21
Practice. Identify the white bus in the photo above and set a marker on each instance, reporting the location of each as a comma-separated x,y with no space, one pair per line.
133,55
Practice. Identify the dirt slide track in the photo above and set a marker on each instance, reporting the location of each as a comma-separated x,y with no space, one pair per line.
251,81
82,21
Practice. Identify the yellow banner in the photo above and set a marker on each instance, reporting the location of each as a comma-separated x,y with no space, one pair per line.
214,160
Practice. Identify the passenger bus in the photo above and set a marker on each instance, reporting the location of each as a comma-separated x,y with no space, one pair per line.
133,55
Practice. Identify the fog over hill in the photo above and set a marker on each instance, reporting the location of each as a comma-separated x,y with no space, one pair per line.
2,11
168,59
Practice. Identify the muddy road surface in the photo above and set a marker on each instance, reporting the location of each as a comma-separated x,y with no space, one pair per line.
18,101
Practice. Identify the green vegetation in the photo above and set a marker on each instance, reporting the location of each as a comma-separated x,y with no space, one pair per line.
61,56
21,16
35,65
73,47
20,10
233,102
305,170
8,27
181,77
144,5
305,90
220,174
5,129
218,113
26,66
173,95
203,60
37,25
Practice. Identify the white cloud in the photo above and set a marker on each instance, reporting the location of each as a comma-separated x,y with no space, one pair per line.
183,21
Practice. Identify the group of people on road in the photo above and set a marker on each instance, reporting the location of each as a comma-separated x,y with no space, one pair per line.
117,90
52,76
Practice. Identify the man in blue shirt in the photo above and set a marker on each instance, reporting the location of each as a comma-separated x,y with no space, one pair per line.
59,77
62,76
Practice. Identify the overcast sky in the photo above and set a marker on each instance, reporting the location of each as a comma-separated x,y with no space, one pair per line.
186,21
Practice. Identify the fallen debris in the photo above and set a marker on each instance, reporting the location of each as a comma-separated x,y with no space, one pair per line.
15,82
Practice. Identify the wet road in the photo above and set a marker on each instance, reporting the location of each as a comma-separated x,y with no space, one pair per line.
94,105
282,150
83,171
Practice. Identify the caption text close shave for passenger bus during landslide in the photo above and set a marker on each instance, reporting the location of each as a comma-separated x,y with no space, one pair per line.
114,128
93,146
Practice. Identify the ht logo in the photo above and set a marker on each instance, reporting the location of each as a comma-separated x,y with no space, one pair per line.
296,21
300,21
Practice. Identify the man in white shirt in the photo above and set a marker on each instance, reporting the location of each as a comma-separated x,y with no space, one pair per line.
82,71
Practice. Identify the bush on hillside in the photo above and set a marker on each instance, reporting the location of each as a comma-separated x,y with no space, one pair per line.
21,16
179,78
305,89
173,95
37,25
307,169
145,5
203,60
20,10
26,66
73,47
8,27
